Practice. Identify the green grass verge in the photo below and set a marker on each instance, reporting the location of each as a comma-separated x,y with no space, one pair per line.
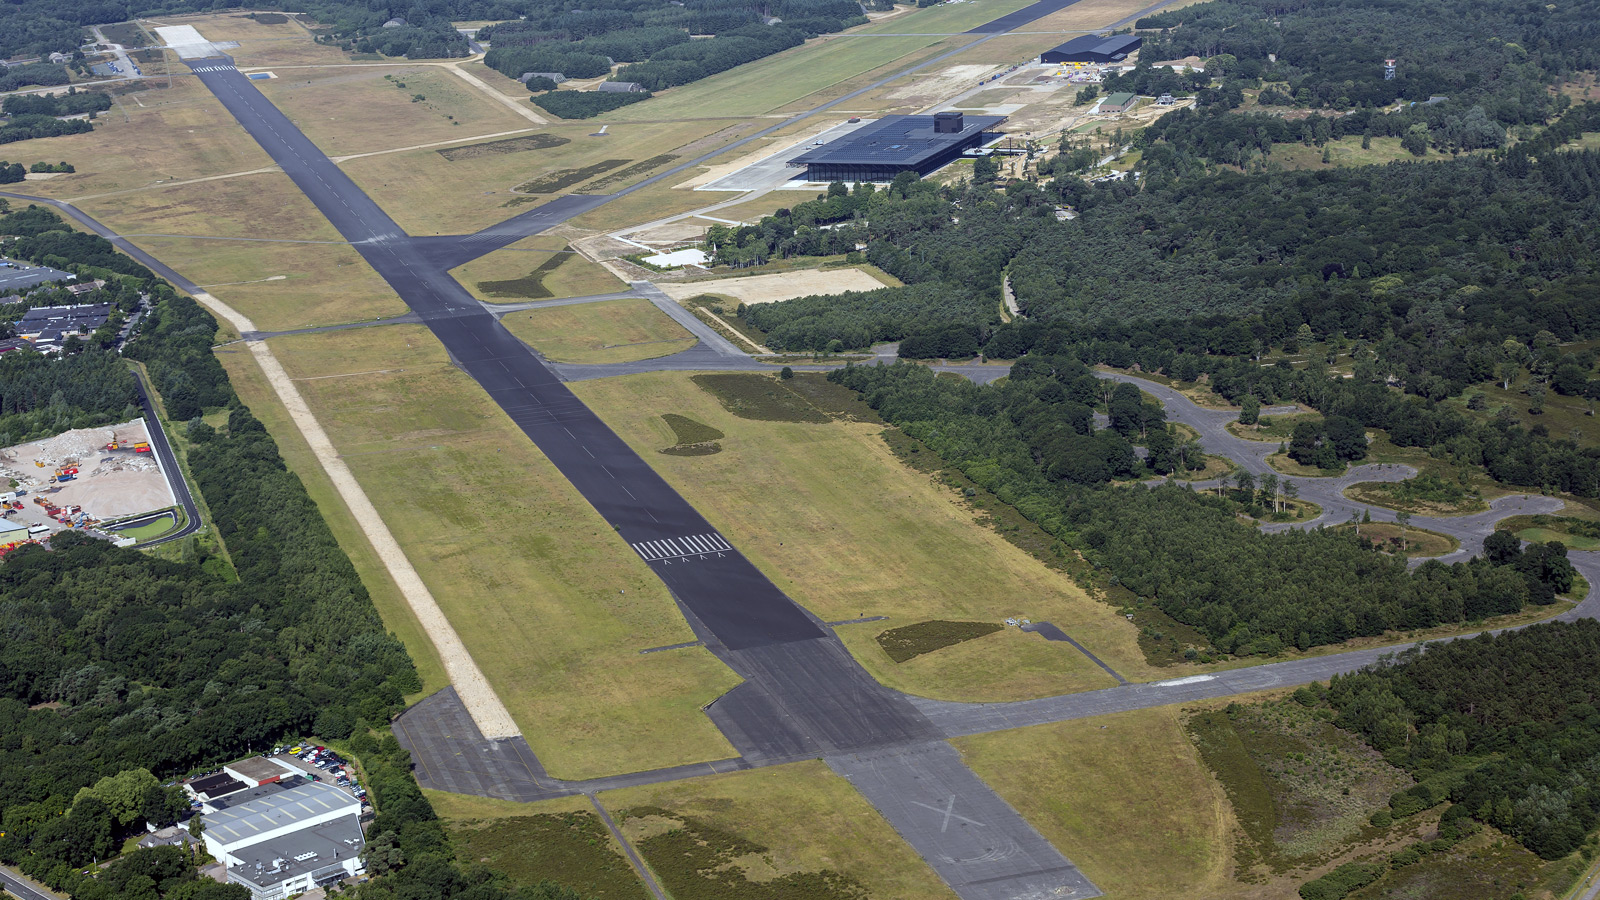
1394,495
910,641
150,530
694,438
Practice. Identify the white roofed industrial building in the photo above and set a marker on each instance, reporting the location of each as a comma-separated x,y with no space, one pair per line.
279,840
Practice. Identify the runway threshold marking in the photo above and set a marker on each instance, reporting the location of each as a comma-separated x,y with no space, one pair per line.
701,546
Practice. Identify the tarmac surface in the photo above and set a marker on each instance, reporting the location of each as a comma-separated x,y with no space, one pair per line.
804,694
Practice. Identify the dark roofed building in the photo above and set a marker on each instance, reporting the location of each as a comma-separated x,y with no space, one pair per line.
1118,102
620,87
1093,48
895,144
212,786
557,77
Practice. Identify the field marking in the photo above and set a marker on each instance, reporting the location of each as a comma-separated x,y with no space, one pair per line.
479,698
684,547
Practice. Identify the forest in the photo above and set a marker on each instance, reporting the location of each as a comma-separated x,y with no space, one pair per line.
1498,56
72,103
1502,726
1031,441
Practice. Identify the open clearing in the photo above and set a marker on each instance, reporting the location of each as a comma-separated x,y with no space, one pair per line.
1124,796
1417,542
807,819
156,134
830,514
282,44
530,577
360,110
535,269
772,288
427,193
609,332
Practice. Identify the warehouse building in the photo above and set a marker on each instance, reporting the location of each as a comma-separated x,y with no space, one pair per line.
257,770
620,87
895,144
285,838
1093,48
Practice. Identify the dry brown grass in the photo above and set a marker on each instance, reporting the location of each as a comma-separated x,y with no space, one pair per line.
428,194
1126,797
321,283
551,605
847,530
808,817
609,332
361,110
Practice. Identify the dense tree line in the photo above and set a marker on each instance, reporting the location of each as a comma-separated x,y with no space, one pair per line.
165,666
1497,55
1503,726
32,74
43,238
42,396
72,103
1031,441
22,128
860,318
653,38
584,104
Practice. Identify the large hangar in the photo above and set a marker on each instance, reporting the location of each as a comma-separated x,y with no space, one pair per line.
1093,48
896,144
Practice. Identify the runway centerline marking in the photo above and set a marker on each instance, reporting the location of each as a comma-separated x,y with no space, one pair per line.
684,547
949,813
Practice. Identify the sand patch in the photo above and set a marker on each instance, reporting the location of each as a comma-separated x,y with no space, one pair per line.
109,484
777,286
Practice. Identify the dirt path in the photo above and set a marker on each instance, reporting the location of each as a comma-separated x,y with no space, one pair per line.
491,716
509,102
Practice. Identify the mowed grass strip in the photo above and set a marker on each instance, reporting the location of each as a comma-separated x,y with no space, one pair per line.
534,269
844,528
770,834
428,194
910,641
353,109
551,604
607,332
1124,796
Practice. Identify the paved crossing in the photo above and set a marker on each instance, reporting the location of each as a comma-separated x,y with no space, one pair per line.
703,546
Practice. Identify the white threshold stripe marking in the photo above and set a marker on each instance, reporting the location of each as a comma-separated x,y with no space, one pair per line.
682,547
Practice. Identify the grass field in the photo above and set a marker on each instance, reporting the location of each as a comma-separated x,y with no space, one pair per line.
806,819
1300,789
775,81
1563,417
551,605
360,110
259,45
1124,796
153,529
566,275
398,619
151,136
311,283
609,332
428,193
571,847
1546,535
1418,543
1382,493
830,514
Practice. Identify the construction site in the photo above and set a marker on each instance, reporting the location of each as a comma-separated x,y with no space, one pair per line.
95,480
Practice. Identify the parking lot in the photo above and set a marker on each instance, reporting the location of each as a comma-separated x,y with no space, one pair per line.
326,774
